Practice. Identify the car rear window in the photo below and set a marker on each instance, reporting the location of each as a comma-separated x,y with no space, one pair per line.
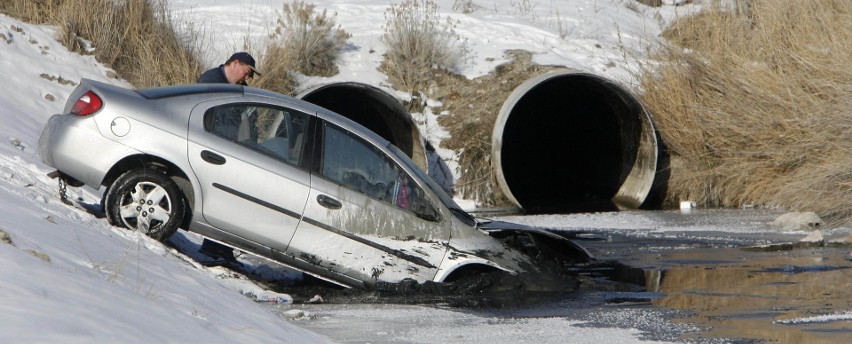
182,90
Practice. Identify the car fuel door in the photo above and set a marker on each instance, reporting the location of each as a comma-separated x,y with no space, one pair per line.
246,158
366,218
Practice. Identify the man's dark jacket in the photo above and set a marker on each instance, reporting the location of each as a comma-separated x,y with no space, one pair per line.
213,76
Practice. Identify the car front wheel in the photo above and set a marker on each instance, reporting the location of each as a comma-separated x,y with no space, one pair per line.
147,201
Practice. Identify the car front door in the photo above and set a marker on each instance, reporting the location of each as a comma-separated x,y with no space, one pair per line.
247,159
366,217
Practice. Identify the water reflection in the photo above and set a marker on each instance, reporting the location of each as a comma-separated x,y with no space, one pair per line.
755,296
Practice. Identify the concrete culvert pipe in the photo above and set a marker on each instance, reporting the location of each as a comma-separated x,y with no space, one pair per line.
568,141
375,109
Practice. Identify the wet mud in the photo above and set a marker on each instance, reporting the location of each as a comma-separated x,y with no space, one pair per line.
558,276
480,291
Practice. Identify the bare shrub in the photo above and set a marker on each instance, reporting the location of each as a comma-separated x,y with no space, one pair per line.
417,41
464,6
754,106
137,38
308,41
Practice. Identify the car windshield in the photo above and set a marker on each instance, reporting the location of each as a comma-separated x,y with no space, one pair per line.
432,185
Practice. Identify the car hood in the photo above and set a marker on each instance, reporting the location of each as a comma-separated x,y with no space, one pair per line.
547,242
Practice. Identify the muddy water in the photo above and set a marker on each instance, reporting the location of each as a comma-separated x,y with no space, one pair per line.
746,295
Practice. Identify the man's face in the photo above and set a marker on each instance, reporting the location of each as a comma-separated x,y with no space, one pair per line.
238,73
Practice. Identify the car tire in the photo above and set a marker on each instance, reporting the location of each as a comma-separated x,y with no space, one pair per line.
112,221
147,201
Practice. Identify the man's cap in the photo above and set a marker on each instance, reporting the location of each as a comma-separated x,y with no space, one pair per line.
245,59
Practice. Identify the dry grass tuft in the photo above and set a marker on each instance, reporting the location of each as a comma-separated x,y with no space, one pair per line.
303,41
418,41
307,41
464,6
755,108
35,11
137,38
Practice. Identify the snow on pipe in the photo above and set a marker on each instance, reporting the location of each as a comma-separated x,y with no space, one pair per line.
572,141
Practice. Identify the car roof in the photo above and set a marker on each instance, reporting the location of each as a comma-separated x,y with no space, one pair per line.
165,92
189,89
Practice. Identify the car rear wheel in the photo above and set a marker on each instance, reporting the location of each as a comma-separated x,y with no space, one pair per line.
147,201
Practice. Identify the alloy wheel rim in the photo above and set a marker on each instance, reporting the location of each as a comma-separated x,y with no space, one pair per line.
146,208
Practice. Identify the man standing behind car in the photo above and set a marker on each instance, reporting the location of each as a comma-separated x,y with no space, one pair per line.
236,70
239,68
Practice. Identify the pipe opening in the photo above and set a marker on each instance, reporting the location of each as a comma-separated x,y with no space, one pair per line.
569,142
374,109
564,141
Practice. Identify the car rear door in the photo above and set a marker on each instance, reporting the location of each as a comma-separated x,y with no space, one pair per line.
246,158
366,217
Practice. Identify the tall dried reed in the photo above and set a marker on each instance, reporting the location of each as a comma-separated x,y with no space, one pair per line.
35,11
754,105
137,38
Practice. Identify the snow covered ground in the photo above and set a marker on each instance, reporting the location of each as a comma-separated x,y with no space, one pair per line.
68,276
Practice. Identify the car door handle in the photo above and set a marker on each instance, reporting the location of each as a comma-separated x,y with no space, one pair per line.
329,202
212,158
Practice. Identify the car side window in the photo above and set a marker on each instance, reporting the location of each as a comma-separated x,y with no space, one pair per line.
354,163
275,131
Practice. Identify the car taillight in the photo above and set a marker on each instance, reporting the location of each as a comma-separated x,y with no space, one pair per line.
88,104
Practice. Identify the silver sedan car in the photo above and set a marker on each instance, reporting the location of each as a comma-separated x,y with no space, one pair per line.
280,178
